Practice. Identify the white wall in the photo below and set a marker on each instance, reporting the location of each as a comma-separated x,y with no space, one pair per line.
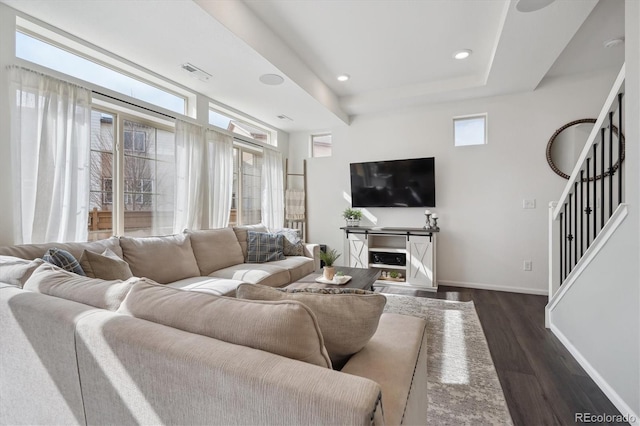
599,316
485,234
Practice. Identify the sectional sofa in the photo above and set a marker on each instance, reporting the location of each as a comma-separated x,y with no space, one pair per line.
78,350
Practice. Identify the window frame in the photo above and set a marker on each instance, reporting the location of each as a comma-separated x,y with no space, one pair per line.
120,194
312,144
485,136
239,196
57,38
272,134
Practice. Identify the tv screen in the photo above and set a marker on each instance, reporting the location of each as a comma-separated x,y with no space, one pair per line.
397,183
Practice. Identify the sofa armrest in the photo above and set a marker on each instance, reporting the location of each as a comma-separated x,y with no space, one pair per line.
136,371
396,358
313,251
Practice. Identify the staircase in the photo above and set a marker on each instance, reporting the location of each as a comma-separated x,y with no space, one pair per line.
593,252
591,206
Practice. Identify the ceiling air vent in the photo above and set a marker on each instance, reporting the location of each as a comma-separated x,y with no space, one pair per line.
196,72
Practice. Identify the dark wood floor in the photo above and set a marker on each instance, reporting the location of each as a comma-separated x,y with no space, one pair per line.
543,384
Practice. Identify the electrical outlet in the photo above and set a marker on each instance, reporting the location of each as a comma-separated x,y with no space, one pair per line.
529,203
527,265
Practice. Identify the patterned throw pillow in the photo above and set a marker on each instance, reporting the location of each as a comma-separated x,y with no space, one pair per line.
264,247
293,245
63,259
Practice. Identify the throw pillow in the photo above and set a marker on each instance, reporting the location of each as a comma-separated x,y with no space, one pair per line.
163,259
63,259
293,245
16,271
53,281
264,247
348,318
286,328
106,266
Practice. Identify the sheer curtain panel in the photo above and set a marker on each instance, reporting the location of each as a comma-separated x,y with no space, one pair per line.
220,160
190,156
272,190
50,143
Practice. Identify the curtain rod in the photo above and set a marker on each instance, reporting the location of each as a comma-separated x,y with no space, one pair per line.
132,104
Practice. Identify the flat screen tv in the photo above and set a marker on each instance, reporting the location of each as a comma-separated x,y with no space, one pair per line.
397,183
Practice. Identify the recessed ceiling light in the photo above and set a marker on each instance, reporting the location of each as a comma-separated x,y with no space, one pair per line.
613,42
532,5
271,79
462,54
344,77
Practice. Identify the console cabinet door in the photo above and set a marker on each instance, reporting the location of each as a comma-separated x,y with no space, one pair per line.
357,250
420,261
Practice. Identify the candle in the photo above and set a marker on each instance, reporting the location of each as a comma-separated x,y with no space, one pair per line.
427,212
435,215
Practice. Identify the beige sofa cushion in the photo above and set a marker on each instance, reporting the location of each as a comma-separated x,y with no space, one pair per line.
285,328
162,259
53,281
215,249
241,234
16,271
298,266
392,358
256,273
106,266
347,320
215,286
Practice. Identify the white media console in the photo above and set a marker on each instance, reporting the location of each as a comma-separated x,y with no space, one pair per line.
405,256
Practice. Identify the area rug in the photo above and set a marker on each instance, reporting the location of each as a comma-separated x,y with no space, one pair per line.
462,382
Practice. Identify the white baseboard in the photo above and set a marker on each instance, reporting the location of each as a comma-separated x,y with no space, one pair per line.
613,396
483,286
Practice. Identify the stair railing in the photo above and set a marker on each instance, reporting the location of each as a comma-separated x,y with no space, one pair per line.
593,193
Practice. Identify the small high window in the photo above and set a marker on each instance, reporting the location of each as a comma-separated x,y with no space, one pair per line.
321,145
240,127
470,130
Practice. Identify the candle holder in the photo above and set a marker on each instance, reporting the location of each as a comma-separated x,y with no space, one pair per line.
427,225
435,226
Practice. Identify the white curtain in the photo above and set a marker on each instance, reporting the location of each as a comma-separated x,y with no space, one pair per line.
272,190
50,148
220,161
190,172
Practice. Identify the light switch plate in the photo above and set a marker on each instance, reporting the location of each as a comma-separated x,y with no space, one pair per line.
529,203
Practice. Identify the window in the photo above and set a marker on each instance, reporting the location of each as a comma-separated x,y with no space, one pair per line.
148,173
135,141
321,145
241,127
470,130
246,201
50,56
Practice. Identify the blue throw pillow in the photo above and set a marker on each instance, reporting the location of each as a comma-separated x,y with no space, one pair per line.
264,247
63,259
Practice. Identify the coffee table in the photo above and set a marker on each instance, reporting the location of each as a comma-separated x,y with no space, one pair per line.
362,278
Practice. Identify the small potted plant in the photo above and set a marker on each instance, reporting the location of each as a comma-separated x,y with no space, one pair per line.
329,258
352,216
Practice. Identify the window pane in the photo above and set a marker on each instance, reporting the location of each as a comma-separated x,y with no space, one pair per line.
39,52
101,185
251,188
240,127
321,145
469,131
233,214
148,180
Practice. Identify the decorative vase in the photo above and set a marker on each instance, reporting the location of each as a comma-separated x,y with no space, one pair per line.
328,272
353,222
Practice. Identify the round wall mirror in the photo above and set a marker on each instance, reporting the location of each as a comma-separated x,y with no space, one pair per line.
566,144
